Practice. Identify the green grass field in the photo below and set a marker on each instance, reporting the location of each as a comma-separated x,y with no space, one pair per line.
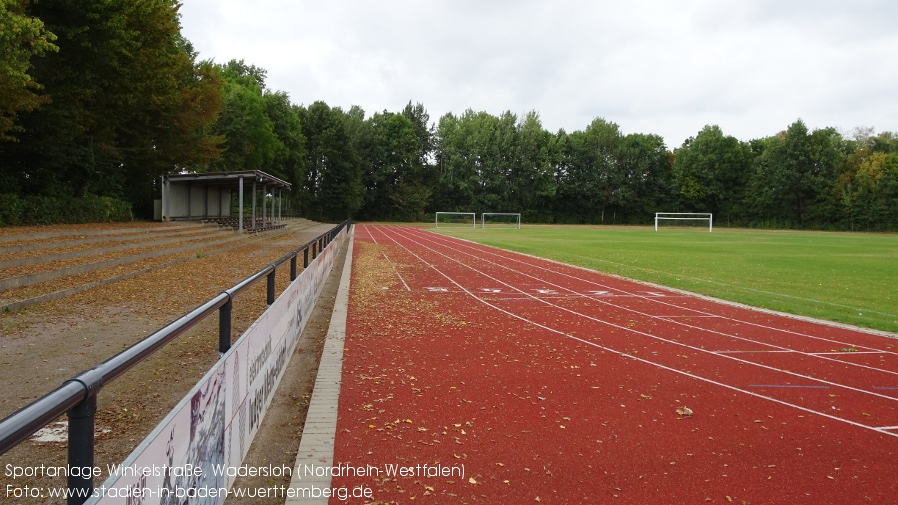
846,277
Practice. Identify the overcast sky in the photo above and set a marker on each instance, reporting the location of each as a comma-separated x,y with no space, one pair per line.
665,67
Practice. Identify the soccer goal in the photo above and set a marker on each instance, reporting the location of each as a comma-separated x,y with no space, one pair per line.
456,219
500,220
686,219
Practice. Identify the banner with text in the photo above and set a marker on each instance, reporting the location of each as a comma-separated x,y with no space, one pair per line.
194,455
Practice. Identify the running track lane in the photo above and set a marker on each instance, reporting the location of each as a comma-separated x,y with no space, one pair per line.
548,383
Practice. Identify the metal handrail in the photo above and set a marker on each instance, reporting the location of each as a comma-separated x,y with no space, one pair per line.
77,396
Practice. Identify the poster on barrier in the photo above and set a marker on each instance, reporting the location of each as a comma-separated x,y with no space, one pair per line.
193,455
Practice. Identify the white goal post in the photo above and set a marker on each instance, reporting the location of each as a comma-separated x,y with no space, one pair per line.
511,219
686,216
460,218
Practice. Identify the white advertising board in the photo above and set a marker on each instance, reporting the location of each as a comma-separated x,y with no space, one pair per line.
194,454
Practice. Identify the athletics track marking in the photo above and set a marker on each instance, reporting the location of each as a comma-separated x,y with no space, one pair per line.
393,265
701,313
631,356
820,355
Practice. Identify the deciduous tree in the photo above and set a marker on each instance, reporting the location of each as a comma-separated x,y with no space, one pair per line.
710,173
22,37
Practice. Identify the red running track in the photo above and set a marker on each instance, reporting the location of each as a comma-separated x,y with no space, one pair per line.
530,381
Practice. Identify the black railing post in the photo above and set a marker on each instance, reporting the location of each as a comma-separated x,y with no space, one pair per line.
314,249
224,326
271,286
293,268
305,258
82,419
82,422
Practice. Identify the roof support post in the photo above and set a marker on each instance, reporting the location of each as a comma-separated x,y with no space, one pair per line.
166,187
264,195
240,206
189,203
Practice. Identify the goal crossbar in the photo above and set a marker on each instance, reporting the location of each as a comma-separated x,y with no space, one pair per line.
685,216
516,215
472,214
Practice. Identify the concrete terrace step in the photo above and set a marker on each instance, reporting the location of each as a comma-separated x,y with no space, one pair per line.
144,241
81,231
17,292
24,244
50,275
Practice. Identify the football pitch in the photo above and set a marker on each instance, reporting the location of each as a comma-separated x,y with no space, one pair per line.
843,277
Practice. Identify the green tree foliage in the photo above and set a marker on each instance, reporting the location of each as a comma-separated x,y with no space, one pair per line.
646,165
710,172
866,188
592,177
532,173
250,142
793,175
420,121
460,156
333,185
22,37
394,176
127,101
888,186
100,97
176,130
290,162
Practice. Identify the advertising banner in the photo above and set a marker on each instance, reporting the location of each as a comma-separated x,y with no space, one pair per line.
194,455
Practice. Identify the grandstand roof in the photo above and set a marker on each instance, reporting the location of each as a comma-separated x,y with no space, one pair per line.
229,179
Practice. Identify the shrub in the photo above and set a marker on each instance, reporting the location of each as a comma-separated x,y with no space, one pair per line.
45,210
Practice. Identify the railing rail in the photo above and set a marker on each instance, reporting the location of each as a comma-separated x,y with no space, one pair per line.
77,396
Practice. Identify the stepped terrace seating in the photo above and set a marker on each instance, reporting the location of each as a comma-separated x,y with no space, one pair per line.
248,226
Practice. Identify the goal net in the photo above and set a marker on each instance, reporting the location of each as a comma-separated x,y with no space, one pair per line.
456,219
684,220
500,220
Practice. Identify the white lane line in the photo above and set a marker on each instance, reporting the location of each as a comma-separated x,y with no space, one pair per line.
630,356
388,259
743,288
776,351
490,250
692,347
707,314
844,353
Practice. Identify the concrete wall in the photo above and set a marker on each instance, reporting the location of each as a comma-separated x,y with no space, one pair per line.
204,201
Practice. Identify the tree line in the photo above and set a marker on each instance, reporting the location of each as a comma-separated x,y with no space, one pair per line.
98,98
